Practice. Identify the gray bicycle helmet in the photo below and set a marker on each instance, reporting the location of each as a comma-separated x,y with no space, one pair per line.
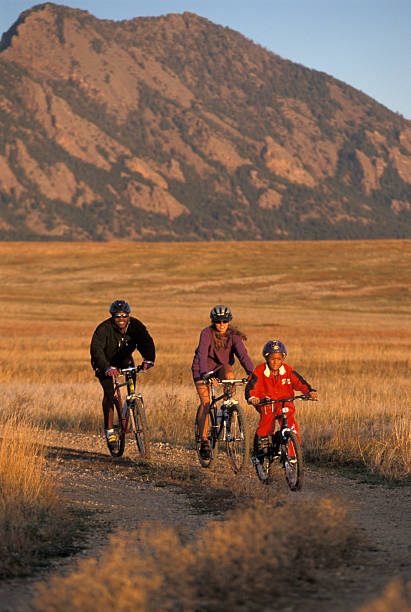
274,346
120,306
220,314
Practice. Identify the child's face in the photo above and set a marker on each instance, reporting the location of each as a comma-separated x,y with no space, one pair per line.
274,361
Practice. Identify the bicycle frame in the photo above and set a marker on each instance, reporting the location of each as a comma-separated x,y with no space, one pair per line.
222,423
130,415
277,446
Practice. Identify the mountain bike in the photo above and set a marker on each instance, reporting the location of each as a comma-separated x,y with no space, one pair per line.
225,425
281,448
129,415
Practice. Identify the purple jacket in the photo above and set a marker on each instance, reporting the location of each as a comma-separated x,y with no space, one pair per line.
207,358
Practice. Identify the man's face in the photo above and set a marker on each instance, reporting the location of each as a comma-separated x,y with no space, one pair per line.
121,319
274,361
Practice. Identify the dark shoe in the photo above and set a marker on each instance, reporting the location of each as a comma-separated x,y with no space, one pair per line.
260,447
205,451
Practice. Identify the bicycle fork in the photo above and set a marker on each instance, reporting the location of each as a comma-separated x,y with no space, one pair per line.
128,414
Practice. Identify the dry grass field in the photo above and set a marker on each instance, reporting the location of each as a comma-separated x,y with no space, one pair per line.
341,308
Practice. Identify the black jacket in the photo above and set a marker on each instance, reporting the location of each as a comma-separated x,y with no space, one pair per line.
109,347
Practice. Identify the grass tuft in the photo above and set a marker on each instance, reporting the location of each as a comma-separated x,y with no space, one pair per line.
34,523
246,558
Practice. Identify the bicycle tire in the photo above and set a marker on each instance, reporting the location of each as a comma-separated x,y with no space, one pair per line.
120,442
294,471
141,428
206,463
237,440
263,468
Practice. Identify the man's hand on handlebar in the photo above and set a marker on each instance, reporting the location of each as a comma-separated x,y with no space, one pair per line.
111,371
146,365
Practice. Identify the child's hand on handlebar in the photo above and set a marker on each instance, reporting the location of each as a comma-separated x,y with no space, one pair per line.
313,395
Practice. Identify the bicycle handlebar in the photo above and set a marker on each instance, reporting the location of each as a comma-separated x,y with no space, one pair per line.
266,401
208,378
130,370
221,381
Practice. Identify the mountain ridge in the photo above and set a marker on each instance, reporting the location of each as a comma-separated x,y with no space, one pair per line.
175,128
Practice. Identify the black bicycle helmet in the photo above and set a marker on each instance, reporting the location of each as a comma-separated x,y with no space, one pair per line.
120,306
220,314
274,346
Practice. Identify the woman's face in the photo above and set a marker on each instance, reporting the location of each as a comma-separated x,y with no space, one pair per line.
221,327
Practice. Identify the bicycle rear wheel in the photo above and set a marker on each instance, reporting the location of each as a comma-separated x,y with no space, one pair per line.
237,440
117,449
141,428
292,461
206,463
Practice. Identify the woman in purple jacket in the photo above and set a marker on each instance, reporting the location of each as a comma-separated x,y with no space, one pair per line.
218,345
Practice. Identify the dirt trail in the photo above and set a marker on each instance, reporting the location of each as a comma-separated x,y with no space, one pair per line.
122,499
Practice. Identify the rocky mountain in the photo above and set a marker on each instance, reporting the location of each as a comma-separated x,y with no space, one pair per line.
174,128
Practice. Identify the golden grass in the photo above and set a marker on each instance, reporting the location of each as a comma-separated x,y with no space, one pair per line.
247,558
342,309
33,522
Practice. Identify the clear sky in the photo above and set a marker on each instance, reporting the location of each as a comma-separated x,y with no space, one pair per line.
366,43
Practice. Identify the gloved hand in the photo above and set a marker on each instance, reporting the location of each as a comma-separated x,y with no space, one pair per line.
111,371
207,376
147,364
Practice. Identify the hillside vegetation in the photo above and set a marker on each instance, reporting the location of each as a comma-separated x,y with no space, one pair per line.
174,128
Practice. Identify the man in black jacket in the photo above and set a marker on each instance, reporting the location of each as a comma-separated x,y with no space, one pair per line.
112,345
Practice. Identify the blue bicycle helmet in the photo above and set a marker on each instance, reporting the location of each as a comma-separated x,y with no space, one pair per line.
120,306
274,346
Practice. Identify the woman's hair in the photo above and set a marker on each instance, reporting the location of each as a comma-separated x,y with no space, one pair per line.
221,341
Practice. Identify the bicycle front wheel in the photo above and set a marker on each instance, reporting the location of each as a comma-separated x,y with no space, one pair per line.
206,462
117,448
262,463
141,428
292,461
237,440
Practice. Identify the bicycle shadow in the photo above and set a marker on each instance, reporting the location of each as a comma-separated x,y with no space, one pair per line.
86,458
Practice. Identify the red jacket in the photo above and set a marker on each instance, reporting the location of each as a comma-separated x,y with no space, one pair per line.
263,384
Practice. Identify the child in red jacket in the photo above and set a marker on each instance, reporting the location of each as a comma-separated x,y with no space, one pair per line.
276,380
